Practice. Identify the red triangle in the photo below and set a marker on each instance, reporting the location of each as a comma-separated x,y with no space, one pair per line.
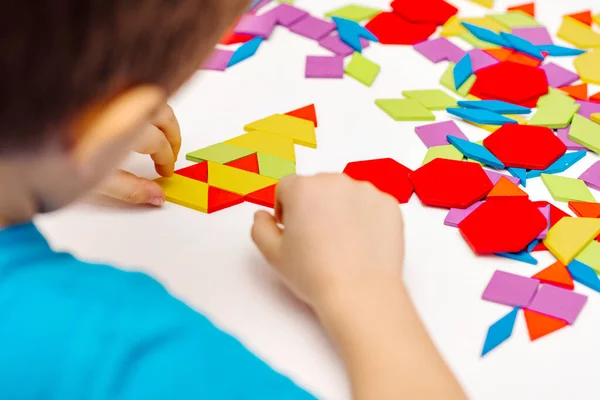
585,17
540,325
219,199
578,92
505,188
263,197
248,163
500,54
585,210
526,8
198,172
556,274
540,247
595,98
309,113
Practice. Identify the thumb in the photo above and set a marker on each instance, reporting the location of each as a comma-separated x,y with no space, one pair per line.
267,236
132,189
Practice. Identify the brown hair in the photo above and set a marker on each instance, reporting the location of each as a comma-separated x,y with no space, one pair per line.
60,56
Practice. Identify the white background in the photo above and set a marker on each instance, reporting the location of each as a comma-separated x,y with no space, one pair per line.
210,262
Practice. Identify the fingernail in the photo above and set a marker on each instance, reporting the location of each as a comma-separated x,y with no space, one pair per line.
157,201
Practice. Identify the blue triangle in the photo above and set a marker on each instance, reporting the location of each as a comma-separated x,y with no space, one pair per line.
522,256
487,35
475,152
585,275
497,106
462,71
483,117
500,331
350,33
245,51
522,45
560,165
560,51
519,173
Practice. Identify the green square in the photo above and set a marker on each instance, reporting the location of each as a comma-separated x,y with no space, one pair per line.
447,81
448,152
362,69
219,153
590,256
405,110
515,19
354,12
434,99
585,132
567,189
275,167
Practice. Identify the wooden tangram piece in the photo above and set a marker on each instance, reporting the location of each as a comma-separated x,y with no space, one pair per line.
557,274
585,209
540,325
528,9
505,188
570,236
263,197
236,180
300,130
308,113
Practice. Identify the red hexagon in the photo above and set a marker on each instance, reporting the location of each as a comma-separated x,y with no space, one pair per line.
391,28
385,174
525,146
504,226
450,183
512,82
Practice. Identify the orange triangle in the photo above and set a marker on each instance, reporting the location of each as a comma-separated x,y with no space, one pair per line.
524,59
526,8
248,163
556,274
540,325
505,188
309,113
263,197
585,210
198,172
578,92
585,17
595,98
500,54
219,199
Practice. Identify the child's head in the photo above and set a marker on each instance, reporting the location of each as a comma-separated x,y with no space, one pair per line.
80,77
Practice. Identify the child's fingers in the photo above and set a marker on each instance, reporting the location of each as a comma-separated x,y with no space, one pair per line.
167,122
132,189
155,143
267,236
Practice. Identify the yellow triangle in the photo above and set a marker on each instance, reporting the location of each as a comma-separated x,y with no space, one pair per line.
267,143
185,192
236,180
301,131
578,34
570,236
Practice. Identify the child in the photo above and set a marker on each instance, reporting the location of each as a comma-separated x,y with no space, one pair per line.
85,82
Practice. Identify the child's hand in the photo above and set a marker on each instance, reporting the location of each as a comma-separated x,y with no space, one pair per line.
339,234
162,141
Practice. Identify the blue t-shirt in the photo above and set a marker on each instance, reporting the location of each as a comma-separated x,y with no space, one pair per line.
71,330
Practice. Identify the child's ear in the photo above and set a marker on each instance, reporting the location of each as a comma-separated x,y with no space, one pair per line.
106,133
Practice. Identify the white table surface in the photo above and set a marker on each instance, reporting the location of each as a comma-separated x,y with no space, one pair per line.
210,262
